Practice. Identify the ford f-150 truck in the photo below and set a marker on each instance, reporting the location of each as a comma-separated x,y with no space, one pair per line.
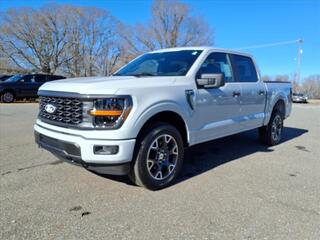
139,121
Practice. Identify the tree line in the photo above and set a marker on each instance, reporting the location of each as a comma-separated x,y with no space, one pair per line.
309,86
88,41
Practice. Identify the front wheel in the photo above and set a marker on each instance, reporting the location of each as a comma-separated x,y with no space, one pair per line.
159,157
7,97
272,133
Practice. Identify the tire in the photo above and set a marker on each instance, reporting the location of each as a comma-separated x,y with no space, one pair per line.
271,134
158,157
7,97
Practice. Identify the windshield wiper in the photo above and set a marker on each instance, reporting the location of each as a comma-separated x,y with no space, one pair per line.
143,74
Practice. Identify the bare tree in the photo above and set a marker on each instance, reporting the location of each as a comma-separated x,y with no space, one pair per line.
171,25
266,78
77,41
311,86
34,39
86,41
282,78
95,48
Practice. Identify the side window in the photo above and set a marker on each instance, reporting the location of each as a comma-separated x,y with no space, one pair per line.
57,77
26,79
40,78
51,77
244,69
217,63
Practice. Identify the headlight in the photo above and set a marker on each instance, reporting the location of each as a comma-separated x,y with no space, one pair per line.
110,112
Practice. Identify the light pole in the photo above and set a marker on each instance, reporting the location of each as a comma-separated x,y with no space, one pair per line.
298,73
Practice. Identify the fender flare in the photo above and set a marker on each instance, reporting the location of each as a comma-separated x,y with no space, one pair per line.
159,107
269,109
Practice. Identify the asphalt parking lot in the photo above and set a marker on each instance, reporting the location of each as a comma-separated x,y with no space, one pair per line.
232,188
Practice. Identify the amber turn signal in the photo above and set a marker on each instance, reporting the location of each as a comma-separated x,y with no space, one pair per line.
105,113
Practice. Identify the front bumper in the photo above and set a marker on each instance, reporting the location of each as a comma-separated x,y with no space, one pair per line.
78,150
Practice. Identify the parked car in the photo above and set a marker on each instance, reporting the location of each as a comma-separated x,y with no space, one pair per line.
23,86
4,77
140,120
299,98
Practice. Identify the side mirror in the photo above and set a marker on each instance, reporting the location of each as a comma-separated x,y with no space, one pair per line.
213,80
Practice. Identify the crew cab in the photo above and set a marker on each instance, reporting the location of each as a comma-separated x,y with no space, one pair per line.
23,86
139,121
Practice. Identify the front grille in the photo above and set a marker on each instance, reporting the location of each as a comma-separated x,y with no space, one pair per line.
63,110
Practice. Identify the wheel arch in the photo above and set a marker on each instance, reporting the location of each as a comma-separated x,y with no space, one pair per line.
167,116
278,102
8,90
281,106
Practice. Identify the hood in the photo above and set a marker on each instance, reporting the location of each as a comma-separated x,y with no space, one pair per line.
105,85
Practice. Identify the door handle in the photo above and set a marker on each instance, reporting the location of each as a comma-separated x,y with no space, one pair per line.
261,92
235,94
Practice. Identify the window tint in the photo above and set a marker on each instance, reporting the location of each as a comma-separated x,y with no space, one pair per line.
26,79
217,63
244,69
40,78
54,77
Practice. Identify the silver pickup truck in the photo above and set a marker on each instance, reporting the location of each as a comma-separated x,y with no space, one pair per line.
139,121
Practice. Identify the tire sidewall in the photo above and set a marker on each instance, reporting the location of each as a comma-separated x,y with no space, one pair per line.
3,97
269,133
140,166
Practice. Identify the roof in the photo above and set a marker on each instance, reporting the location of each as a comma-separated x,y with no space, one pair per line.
202,48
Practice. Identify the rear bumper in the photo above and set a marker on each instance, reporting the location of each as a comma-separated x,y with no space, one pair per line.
79,151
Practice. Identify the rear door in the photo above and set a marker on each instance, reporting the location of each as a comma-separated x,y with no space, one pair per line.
253,95
217,109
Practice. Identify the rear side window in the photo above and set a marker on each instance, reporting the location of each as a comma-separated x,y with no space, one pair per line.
40,78
54,77
244,69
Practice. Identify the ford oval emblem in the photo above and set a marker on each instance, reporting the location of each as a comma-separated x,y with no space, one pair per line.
50,108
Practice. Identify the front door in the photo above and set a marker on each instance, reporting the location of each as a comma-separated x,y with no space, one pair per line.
217,110
24,86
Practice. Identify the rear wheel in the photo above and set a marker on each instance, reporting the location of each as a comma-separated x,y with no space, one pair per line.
7,97
271,134
158,158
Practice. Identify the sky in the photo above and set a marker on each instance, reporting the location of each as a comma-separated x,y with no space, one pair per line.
235,24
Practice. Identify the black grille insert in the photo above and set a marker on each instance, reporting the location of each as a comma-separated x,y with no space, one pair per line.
61,110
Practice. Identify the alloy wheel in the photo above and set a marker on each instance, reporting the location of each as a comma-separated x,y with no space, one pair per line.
276,128
162,157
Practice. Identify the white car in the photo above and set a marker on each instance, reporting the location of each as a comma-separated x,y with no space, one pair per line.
140,120
299,98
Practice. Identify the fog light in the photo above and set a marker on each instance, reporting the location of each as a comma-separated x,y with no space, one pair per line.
105,150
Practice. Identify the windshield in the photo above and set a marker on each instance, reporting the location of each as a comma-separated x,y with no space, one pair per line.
298,94
14,78
176,63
